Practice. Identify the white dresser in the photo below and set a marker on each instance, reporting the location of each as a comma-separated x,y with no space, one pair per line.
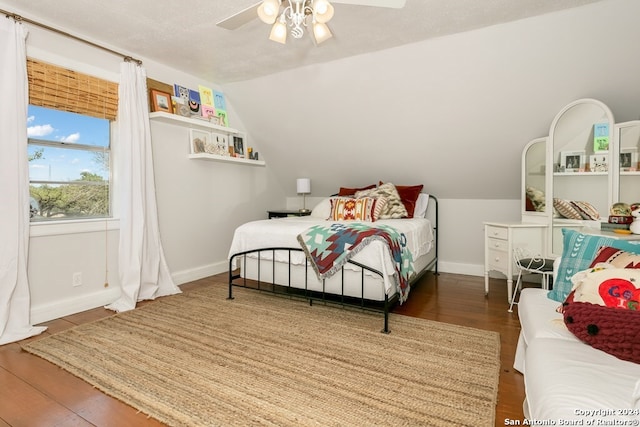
500,238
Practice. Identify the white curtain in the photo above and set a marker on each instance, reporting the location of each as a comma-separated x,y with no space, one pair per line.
143,271
15,300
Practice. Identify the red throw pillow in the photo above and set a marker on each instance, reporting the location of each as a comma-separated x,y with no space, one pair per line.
612,330
345,191
409,196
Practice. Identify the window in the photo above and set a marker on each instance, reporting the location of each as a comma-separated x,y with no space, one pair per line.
69,121
69,165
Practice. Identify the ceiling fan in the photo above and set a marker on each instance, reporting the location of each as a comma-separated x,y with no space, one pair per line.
294,15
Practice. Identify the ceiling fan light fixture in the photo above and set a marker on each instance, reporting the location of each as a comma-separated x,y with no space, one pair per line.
279,32
321,32
322,11
268,11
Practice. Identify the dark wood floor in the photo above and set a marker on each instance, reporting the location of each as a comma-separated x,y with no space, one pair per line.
34,392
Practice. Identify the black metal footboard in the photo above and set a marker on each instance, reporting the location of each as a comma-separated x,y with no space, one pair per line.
303,291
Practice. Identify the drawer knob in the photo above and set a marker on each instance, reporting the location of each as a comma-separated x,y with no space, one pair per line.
497,259
496,244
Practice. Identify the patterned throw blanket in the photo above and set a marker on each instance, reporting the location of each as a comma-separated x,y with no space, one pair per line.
330,247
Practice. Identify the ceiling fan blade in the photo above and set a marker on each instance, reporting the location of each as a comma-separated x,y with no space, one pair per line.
394,4
239,19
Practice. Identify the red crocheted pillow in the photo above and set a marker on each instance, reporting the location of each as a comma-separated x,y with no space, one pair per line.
603,310
613,330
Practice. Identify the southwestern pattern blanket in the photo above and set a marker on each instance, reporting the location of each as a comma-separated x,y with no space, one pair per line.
329,247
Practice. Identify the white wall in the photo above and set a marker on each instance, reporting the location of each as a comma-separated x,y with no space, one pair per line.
453,113
200,203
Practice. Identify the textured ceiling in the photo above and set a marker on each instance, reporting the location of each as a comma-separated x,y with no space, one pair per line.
183,35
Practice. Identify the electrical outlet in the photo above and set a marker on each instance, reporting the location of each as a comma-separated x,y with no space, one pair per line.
77,279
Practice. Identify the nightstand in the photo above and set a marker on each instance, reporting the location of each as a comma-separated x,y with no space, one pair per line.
283,213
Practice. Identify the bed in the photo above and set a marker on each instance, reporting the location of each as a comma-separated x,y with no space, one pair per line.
278,255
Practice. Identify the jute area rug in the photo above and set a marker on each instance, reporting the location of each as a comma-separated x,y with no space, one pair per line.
198,359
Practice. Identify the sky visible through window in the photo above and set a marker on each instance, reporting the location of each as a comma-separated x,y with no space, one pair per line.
62,164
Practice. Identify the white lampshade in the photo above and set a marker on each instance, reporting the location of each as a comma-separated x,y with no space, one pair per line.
279,32
303,185
321,32
268,11
322,11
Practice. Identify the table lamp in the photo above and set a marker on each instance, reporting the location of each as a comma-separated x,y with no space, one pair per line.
303,186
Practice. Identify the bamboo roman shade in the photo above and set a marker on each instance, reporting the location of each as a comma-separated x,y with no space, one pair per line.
62,89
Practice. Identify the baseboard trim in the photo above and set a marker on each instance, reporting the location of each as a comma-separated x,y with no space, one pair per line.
68,306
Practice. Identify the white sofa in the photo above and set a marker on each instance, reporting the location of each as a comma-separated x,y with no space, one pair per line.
568,382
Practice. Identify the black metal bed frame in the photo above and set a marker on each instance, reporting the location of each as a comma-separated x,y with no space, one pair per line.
324,297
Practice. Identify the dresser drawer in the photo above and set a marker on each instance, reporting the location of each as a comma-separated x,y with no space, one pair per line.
499,260
501,245
497,232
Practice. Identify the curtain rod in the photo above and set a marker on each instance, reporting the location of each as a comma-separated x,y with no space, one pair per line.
19,18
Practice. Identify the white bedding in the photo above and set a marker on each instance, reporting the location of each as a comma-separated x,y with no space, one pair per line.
283,232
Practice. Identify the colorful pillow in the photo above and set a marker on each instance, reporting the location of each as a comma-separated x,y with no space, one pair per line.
345,191
578,250
608,286
394,208
350,209
586,210
616,257
566,209
409,196
603,311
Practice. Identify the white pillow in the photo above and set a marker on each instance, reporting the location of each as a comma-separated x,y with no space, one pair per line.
421,206
322,210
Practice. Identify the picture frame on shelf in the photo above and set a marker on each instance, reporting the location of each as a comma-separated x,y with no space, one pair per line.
208,111
220,144
572,161
199,140
238,144
599,162
161,101
629,159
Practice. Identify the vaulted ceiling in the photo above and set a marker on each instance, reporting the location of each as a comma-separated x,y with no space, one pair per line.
183,34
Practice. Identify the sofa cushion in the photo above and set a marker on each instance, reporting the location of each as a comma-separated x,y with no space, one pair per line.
564,376
578,251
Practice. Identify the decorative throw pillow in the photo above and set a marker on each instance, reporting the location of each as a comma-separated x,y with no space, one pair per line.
612,330
616,257
536,197
586,210
578,250
608,286
566,209
350,209
345,191
394,207
409,196
603,310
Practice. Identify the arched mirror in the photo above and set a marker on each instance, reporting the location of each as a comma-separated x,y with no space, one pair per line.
581,141
534,160
629,178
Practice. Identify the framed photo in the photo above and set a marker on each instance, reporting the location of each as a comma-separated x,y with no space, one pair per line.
239,141
629,159
200,141
161,101
599,162
572,161
220,144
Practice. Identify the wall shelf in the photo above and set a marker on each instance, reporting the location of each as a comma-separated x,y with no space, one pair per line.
215,157
174,119
189,123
